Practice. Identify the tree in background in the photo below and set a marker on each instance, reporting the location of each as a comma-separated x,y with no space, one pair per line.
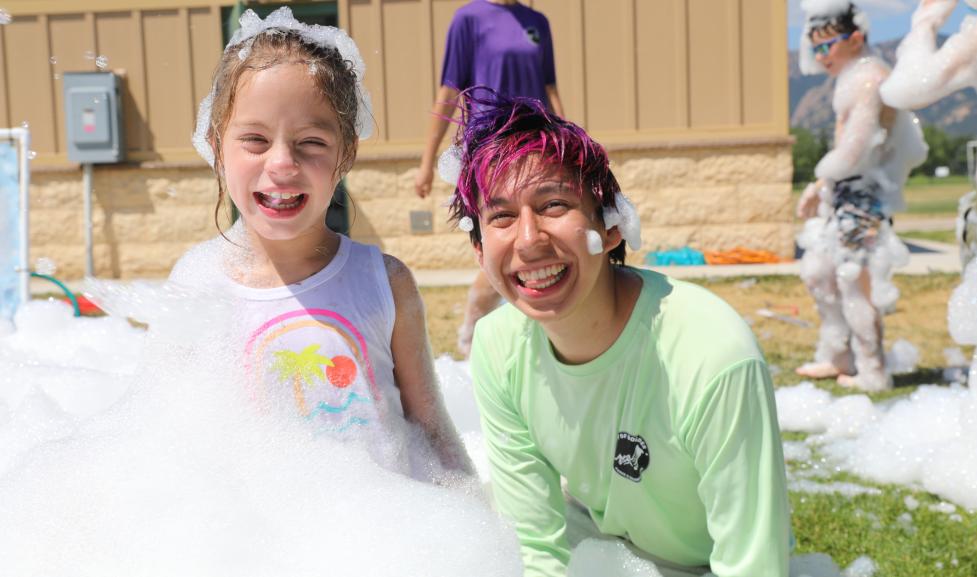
945,150
808,150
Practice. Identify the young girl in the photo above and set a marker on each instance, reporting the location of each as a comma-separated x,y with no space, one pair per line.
333,330
648,395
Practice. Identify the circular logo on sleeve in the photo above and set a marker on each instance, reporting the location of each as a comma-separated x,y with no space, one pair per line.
631,456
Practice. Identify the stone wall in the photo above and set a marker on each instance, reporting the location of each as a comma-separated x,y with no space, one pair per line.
714,197
144,219
709,197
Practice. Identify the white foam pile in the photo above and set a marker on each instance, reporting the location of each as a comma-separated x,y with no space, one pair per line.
927,439
130,453
962,316
124,451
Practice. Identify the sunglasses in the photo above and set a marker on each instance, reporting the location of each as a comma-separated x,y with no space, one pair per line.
824,48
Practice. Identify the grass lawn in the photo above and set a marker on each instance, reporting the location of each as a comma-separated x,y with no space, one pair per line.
843,527
935,196
944,236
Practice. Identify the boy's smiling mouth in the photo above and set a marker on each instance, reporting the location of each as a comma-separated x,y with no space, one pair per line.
541,278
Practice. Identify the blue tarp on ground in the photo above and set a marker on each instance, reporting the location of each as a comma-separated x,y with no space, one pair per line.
684,256
9,231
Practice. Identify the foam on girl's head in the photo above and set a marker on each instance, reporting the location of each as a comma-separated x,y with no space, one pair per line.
334,65
498,135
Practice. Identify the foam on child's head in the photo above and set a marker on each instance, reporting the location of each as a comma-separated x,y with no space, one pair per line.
281,21
826,14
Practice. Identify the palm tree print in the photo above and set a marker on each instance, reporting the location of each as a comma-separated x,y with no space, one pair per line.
303,368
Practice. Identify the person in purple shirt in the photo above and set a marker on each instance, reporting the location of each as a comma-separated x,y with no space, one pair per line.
507,47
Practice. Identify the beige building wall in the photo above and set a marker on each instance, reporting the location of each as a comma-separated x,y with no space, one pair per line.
690,97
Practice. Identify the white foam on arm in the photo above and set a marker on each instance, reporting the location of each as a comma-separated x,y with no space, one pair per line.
858,108
924,74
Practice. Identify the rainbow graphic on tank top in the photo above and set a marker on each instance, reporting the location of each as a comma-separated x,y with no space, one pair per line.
322,360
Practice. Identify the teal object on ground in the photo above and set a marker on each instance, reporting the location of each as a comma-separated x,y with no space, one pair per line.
685,256
9,231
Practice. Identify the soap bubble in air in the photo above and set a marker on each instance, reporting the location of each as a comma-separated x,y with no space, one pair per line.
45,266
102,62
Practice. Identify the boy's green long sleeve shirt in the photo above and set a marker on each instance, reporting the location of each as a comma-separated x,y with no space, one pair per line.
669,438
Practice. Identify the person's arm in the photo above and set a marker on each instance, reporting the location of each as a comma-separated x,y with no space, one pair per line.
944,71
526,488
554,96
858,130
734,439
444,108
414,370
807,205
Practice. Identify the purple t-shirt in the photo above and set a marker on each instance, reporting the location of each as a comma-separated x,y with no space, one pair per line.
507,48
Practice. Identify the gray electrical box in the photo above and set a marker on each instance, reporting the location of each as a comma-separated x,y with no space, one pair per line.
93,114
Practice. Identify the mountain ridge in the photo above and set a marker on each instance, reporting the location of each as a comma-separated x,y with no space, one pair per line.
810,99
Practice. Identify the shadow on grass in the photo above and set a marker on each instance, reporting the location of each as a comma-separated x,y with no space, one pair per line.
921,376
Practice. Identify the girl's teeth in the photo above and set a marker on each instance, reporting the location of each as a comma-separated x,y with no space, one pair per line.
280,201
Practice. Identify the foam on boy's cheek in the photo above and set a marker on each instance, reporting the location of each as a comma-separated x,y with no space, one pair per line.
595,244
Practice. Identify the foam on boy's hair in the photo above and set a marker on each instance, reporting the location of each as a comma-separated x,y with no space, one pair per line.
498,133
841,16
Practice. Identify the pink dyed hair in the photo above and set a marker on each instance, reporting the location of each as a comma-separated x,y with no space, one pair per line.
498,133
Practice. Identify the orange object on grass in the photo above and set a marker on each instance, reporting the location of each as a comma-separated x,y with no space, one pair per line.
740,255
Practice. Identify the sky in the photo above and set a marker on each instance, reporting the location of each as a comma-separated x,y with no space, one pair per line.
888,18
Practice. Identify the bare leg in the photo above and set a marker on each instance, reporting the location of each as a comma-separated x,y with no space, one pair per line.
482,299
833,356
866,326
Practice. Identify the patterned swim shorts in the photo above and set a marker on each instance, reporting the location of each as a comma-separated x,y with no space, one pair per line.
858,213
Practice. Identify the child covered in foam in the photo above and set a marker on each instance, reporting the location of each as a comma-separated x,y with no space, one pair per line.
331,331
850,249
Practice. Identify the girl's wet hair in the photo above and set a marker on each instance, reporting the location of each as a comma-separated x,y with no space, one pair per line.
497,135
333,75
837,23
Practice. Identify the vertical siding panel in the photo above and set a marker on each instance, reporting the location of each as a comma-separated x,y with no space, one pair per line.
758,85
168,79
734,48
442,12
662,65
714,97
29,70
185,53
425,64
407,86
4,81
342,7
566,24
362,24
205,50
776,36
73,47
610,51
119,41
